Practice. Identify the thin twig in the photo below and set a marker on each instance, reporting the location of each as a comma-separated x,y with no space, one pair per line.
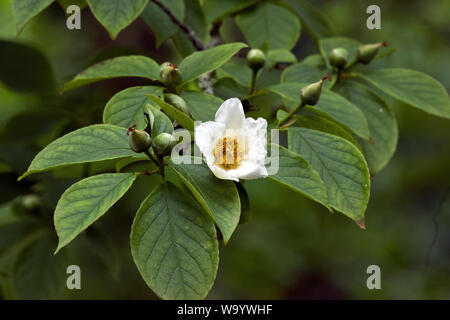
189,33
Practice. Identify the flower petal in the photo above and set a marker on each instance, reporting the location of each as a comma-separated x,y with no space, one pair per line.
206,136
256,131
231,113
249,170
221,173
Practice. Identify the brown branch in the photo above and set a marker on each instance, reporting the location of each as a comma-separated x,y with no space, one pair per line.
189,33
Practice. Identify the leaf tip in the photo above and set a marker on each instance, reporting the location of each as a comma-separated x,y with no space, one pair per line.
361,223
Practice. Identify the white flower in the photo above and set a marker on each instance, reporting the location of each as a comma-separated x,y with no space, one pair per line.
234,146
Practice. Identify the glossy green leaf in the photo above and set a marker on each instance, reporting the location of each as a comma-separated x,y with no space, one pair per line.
312,19
413,88
174,113
160,23
218,9
382,124
86,201
298,175
246,211
126,66
328,44
237,70
218,197
208,60
202,106
339,108
280,56
115,15
24,10
303,73
174,245
93,143
269,24
127,107
226,88
341,166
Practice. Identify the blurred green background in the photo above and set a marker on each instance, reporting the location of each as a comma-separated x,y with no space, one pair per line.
291,248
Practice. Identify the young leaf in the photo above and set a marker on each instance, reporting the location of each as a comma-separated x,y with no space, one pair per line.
218,197
382,124
159,121
202,106
341,166
328,44
160,23
86,201
174,113
115,15
413,88
127,107
93,143
174,245
297,174
312,19
339,108
269,23
24,10
126,66
201,62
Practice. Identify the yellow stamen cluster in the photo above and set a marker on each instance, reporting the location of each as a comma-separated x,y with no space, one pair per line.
228,153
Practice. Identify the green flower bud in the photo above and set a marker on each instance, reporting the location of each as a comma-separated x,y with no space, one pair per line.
311,93
31,202
140,140
367,52
163,143
256,59
170,75
338,57
177,102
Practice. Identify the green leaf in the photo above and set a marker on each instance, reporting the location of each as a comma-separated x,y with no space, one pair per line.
382,124
341,166
174,113
201,62
280,56
339,108
218,197
24,68
174,245
202,106
24,10
218,9
37,273
413,88
246,211
297,174
271,24
196,19
328,44
86,201
115,15
314,60
93,143
226,88
238,71
159,122
127,66
127,107
312,19
160,23
303,73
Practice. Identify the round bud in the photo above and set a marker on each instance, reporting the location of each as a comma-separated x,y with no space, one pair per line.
256,59
338,57
170,75
366,53
163,143
30,202
311,93
177,102
140,140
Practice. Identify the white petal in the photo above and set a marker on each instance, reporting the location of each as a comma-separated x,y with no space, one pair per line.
231,113
249,170
221,173
206,136
256,131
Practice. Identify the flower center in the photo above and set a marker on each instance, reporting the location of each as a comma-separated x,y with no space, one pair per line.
228,153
